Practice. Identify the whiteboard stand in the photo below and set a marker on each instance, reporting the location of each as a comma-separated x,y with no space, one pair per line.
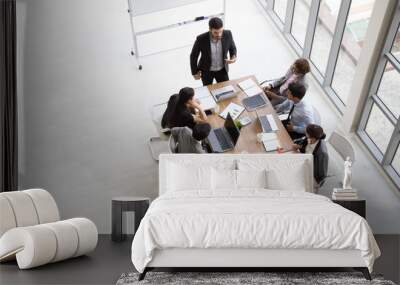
132,14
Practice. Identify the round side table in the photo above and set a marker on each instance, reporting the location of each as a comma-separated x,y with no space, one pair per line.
139,205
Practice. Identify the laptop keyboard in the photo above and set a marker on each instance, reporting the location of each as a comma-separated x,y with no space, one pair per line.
223,141
266,127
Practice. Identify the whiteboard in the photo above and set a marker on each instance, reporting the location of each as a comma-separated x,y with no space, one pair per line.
141,7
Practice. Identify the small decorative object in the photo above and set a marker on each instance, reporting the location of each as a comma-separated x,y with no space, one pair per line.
347,174
238,124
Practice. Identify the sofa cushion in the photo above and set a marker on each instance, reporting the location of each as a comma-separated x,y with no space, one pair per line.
23,208
7,215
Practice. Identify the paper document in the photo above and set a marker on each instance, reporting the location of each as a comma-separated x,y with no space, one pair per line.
270,141
201,92
206,99
246,84
208,103
234,109
253,91
283,117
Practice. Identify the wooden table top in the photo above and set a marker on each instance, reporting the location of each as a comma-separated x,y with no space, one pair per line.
248,134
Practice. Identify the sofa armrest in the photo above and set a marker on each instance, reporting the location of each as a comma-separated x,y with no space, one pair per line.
40,244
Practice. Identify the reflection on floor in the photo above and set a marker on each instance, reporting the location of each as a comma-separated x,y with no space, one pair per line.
110,260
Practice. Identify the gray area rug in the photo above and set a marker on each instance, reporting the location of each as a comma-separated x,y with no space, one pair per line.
229,278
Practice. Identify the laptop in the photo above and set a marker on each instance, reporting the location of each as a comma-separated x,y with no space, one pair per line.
267,123
253,102
223,93
225,138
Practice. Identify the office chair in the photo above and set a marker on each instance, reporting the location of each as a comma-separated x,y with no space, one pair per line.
342,146
268,81
159,144
173,146
157,112
317,116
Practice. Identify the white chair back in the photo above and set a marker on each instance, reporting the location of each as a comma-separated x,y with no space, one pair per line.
342,146
172,145
157,112
317,116
26,208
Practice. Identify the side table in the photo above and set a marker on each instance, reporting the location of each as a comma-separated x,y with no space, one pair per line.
357,206
139,205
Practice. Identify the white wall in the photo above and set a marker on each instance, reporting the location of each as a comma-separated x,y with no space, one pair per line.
85,123
84,105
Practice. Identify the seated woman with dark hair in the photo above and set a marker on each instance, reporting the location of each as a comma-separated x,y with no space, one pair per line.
183,110
314,143
277,90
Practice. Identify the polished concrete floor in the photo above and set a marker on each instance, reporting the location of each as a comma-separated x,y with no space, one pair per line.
110,260
103,266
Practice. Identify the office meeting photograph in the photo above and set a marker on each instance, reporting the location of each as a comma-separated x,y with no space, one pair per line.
204,142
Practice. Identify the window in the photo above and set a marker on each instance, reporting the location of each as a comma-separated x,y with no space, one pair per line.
280,9
396,161
323,36
389,89
330,33
351,45
396,45
300,20
379,128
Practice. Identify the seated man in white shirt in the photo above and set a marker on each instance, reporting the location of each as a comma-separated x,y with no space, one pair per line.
301,113
190,141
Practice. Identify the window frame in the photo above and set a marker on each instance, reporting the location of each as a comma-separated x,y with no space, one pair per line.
385,159
324,80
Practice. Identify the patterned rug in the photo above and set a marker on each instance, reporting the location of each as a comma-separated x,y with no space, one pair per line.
243,278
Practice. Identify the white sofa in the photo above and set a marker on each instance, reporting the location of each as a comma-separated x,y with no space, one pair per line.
31,231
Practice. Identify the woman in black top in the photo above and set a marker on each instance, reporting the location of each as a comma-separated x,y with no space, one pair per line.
314,143
183,110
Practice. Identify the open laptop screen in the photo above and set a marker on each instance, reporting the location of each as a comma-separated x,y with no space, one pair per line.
233,131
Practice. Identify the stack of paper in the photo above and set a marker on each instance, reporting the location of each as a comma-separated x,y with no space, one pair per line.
206,99
344,194
270,141
234,109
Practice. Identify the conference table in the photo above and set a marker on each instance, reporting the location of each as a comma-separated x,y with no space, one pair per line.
247,142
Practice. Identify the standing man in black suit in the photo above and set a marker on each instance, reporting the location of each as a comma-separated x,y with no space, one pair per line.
213,47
